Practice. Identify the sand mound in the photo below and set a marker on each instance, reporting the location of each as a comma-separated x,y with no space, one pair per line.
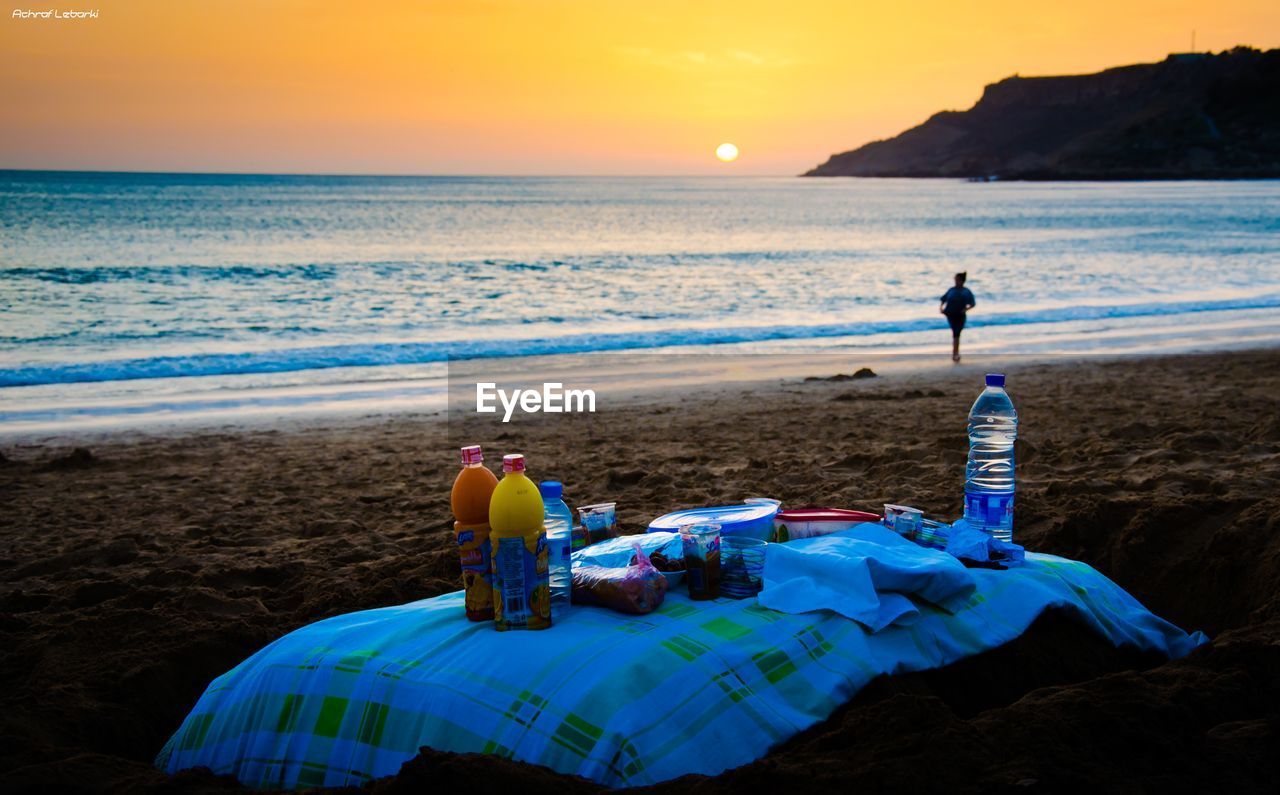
131,576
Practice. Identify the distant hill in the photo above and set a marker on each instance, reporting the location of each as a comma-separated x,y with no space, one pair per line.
1191,116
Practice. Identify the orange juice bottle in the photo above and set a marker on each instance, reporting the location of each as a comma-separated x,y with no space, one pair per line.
470,502
521,579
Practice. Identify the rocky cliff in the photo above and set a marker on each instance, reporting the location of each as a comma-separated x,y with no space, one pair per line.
1191,116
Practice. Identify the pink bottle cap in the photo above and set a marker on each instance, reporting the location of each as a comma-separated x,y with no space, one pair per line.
472,455
513,463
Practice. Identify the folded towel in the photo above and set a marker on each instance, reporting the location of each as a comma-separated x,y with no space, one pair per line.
866,573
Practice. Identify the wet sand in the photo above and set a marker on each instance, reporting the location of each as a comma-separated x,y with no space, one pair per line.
134,570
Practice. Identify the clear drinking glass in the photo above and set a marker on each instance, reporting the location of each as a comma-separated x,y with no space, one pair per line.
741,566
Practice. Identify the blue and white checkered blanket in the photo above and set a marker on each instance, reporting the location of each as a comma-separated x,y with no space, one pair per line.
694,687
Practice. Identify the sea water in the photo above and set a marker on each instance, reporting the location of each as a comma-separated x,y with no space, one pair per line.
145,295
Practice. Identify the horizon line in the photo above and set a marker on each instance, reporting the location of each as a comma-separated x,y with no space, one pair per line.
389,175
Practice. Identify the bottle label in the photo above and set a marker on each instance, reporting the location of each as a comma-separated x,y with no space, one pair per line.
521,583
477,581
564,551
989,510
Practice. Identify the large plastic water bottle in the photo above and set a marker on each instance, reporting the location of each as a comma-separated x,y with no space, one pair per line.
559,522
988,479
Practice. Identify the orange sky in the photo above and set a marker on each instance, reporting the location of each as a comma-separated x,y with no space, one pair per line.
541,86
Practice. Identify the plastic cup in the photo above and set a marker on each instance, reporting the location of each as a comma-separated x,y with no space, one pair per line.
701,560
903,520
600,521
741,566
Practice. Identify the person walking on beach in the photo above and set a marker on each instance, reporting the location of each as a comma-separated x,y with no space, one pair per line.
956,303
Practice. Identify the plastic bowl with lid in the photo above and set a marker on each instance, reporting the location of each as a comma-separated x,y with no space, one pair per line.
796,523
750,519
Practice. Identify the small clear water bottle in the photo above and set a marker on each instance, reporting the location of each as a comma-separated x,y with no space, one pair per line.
559,523
988,478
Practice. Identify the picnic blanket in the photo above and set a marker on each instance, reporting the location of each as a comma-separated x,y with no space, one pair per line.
694,687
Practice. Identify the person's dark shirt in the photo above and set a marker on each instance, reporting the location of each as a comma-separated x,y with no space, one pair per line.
956,300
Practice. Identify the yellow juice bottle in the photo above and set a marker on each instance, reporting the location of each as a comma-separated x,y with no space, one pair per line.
521,579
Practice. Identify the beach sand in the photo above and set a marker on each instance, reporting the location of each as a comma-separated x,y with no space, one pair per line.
135,570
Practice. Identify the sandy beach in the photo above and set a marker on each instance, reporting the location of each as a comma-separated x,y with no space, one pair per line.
135,568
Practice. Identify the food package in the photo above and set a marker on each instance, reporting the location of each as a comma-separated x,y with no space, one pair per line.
636,589
621,551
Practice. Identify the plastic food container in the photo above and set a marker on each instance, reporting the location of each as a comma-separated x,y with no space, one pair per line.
796,523
673,550
753,520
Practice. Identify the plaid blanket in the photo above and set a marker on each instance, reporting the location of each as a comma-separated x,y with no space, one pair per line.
695,687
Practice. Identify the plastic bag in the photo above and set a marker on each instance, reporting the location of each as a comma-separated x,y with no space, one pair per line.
636,589
667,558
621,551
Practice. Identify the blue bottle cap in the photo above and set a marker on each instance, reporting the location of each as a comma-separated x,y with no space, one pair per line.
995,379
551,489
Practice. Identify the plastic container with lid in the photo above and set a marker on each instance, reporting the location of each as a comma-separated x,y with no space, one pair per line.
796,523
753,520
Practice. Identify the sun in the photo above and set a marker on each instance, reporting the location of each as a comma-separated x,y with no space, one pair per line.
727,153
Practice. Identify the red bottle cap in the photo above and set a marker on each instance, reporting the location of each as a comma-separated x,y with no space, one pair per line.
472,455
513,463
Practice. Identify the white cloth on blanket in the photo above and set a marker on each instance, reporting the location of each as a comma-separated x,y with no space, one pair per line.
867,573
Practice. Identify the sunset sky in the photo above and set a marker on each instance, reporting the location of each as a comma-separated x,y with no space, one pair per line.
542,86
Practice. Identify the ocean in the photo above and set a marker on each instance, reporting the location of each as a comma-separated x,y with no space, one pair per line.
138,298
